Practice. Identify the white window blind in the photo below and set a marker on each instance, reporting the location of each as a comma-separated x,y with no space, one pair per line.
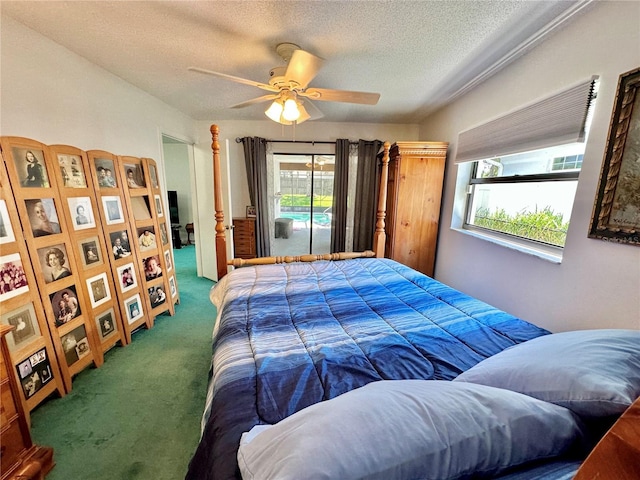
557,120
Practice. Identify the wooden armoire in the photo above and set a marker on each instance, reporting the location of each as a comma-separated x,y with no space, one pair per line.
416,175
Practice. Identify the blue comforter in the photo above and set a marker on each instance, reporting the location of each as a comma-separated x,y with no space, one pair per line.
288,336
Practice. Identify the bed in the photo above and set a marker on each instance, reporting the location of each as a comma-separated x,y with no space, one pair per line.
355,366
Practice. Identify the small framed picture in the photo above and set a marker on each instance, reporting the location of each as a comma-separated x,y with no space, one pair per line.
167,260
34,373
133,307
127,277
13,280
251,211
135,176
72,171
91,255
106,323
81,213
98,289
31,167
6,230
43,216
158,205
154,176
147,238
113,210
105,173
172,286
26,326
65,305
157,296
120,246
151,266
163,234
53,262
75,345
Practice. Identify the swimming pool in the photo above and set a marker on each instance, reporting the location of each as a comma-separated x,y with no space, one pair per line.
322,219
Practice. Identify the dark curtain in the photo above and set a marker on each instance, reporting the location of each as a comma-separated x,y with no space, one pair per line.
255,158
367,187
340,191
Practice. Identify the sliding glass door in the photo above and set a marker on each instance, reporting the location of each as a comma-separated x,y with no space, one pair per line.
303,186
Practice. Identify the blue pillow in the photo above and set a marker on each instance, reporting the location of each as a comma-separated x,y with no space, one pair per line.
595,373
408,429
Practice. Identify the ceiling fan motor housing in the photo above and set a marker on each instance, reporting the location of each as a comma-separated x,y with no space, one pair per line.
276,76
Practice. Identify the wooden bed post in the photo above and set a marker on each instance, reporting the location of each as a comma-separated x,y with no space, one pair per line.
379,236
221,240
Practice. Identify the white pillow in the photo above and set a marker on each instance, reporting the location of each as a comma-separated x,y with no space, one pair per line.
595,373
408,429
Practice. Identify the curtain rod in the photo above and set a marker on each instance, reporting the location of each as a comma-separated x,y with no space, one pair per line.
239,140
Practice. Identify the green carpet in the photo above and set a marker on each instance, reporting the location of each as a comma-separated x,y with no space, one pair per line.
138,415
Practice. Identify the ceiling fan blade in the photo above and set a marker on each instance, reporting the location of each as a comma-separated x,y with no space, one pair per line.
253,101
303,67
313,111
329,95
245,81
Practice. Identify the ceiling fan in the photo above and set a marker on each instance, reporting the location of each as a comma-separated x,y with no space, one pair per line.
289,87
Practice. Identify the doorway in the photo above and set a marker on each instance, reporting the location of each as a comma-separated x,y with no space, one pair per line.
303,203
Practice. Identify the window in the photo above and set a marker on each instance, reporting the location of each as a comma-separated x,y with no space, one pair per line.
526,167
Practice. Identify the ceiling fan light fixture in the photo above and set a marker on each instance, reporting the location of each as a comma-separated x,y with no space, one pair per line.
304,116
290,111
274,112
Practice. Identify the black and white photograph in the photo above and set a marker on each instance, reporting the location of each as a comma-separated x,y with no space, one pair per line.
167,260
163,234
54,262
133,307
120,246
112,210
81,213
152,268
127,277
91,253
72,171
13,280
6,231
105,173
146,238
98,288
106,323
157,296
65,305
26,326
135,176
154,176
31,167
158,205
34,372
172,286
75,345
43,216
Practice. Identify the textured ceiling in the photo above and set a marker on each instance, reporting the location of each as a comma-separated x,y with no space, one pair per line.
417,54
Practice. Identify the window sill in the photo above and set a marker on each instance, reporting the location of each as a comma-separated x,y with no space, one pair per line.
550,254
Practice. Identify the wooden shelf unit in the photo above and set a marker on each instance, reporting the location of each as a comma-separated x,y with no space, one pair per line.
244,237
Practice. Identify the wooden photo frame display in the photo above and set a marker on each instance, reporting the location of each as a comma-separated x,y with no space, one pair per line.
81,213
105,173
112,209
65,305
34,372
43,216
134,175
127,277
106,323
53,262
98,288
31,167
72,171
13,279
133,307
25,324
90,252
75,345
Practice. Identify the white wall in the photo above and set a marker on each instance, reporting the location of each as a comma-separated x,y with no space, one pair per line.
597,285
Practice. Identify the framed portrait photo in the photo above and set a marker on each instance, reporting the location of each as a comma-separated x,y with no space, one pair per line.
65,305
251,211
127,277
98,288
54,262
13,279
43,216
105,173
154,176
106,323
72,171
6,230
163,233
616,212
172,286
81,213
157,296
26,326
158,205
75,345
31,167
34,372
133,307
167,260
112,210
120,246
134,175
147,238
91,254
